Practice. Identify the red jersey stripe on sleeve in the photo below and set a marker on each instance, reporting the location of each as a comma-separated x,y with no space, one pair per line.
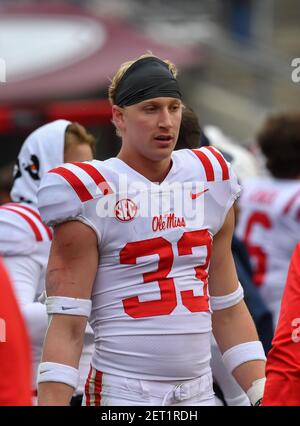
96,176
75,182
36,215
209,171
33,226
222,162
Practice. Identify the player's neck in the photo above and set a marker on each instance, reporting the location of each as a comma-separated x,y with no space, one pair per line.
155,171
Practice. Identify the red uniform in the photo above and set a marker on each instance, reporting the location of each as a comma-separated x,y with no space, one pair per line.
15,377
283,363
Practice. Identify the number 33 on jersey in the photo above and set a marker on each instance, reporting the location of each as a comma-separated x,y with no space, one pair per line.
155,241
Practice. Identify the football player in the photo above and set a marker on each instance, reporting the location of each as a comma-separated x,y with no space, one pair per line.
15,361
283,362
24,239
270,206
133,239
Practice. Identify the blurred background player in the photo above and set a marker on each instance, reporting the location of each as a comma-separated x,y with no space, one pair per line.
24,240
270,208
15,354
150,310
190,132
283,362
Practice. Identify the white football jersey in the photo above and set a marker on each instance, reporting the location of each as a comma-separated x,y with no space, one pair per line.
269,224
150,302
22,233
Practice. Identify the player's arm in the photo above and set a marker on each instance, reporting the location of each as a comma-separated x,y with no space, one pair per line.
71,272
26,274
233,326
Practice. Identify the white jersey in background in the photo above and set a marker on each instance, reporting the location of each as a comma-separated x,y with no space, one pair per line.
269,224
24,245
150,303
25,241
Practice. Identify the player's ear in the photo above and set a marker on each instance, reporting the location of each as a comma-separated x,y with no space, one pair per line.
118,116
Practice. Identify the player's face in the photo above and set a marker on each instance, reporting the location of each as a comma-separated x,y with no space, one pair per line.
81,152
150,128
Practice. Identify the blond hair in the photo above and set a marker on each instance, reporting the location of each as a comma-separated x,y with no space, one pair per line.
76,134
124,67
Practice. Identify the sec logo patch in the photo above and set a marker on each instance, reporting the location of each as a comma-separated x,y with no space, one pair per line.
125,210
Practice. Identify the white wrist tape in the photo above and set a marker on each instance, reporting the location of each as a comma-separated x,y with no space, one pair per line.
237,355
256,392
231,299
61,373
68,306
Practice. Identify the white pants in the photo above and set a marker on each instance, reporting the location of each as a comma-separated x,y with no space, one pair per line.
85,363
108,390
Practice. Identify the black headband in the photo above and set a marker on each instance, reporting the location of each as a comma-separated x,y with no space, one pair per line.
146,78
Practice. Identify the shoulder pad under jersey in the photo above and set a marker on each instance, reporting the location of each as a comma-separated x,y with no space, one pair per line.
65,189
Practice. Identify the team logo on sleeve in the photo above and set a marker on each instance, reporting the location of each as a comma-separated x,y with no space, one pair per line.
125,210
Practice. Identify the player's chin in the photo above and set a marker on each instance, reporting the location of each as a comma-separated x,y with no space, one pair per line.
162,153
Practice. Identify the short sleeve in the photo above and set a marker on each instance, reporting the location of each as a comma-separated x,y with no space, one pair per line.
57,200
16,235
235,188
